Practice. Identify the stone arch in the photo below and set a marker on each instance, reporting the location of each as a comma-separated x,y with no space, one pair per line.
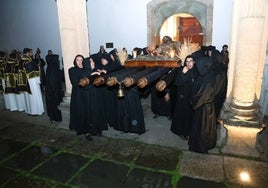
159,10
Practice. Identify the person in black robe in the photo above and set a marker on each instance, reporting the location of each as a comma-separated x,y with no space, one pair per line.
225,55
183,113
103,98
101,52
94,109
203,135
130,117
42,64
114,55
160,102
220,69
78,104
53,89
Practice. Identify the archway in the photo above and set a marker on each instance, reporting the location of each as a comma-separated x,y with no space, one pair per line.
181,27
159,10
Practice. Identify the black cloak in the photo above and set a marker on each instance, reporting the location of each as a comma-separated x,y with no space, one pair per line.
183,113
203,134
130,117
53,88
78,104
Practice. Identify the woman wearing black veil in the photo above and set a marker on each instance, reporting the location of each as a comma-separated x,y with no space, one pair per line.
101,99
203,134
53,88
183,112
79,104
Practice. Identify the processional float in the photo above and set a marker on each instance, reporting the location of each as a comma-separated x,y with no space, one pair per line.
139,71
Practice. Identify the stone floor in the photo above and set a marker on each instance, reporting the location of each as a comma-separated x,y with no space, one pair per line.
35,153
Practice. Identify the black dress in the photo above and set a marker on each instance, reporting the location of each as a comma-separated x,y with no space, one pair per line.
130,117
220,70
203,134
103,101
78,104
159,106
183,112
54,90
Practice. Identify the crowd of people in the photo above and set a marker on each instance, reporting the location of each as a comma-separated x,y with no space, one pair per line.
201,86
24,80
192,102
94,108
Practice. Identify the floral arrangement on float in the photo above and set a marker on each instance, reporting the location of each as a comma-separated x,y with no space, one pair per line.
187,48
122,55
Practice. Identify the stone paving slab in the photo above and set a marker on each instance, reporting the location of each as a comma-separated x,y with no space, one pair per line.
165,164
7,175
121,150
145,178
202,166
107,161
61,167
30,182
167,158
29,158
9,147
194,183
101,173
257,172
82,147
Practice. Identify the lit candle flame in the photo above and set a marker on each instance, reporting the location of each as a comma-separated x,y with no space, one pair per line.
172,53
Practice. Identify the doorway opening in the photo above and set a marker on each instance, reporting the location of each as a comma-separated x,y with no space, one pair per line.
160,10
181,27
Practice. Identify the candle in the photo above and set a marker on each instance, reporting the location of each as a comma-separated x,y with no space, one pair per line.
134,53
172,53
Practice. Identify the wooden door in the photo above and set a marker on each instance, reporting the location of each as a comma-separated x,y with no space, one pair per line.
190,29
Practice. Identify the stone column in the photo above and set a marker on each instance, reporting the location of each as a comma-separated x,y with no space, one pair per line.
247,57
72,17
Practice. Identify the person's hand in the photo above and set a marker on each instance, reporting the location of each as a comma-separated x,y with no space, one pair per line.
185,69
103,71
95,73
84,82
167,97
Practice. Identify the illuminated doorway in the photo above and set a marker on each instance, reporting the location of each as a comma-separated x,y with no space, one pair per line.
158,11
182,27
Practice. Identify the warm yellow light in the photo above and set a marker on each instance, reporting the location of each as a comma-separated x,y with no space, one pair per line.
172,53
134,53
244,177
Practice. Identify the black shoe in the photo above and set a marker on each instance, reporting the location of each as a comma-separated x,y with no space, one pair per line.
88,137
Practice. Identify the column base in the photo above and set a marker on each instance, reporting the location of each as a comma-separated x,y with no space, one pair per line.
244,116
65,111
241,141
